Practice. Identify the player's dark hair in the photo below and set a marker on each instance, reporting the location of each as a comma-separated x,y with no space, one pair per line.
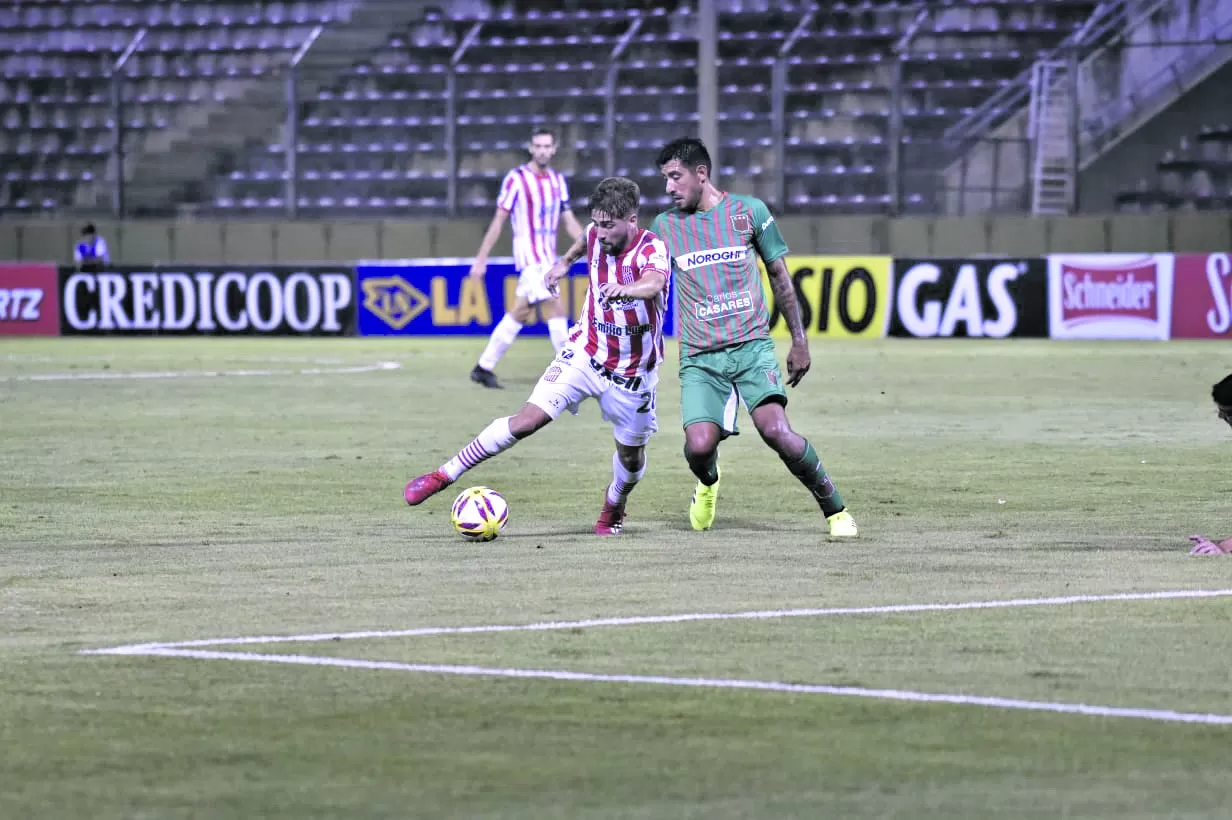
1222,392
618,197
688,151
544,131
88,229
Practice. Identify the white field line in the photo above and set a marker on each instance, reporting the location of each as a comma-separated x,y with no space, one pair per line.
1166,715
181,649
196,374
891,609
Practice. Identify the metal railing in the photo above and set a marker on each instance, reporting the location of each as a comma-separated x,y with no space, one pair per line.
978,164
116,87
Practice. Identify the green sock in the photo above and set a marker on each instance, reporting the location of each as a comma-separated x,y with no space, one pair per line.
808,469
707,471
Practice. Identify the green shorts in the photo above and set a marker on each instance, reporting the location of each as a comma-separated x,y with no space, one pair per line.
714,382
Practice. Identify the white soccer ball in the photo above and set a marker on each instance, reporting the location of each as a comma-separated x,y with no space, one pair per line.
480,513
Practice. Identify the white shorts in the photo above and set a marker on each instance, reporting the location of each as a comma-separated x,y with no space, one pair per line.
530,283
573,377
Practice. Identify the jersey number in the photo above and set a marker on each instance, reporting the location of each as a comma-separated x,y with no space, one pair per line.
648,401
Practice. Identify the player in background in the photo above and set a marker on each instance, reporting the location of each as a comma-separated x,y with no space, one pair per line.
537,198
1221,394
612,355
726,354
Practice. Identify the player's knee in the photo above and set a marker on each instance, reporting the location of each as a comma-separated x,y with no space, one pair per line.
632,459
527,420
700,445
777,433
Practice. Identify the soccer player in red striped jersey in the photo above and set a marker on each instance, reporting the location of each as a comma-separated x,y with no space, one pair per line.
726,354
612,354
535,199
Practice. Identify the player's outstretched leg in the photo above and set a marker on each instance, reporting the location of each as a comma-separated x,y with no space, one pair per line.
628,467
496,438
701,450
801,459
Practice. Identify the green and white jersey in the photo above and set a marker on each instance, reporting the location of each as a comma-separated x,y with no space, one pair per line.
719,297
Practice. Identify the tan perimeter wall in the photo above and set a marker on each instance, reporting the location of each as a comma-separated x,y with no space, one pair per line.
252,242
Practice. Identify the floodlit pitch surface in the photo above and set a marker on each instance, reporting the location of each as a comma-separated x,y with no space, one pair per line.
1018,631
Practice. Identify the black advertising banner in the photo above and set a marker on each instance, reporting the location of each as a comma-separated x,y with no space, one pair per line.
245,300
970,298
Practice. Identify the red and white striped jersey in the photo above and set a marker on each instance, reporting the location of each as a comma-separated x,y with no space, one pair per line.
534,202
624,336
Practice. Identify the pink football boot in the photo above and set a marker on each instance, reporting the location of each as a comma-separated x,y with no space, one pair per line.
426,486
611,520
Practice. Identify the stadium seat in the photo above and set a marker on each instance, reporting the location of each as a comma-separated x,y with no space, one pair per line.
372,134
1194,175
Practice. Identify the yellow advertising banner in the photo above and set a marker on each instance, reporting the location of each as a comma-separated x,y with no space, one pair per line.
839,296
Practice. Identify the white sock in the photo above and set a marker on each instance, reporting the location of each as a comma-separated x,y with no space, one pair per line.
558,329
493,439
506,330
623,481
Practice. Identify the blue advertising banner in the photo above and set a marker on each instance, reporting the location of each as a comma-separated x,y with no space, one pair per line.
435,297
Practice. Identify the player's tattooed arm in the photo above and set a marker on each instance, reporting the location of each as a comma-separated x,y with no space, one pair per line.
798,359
785,297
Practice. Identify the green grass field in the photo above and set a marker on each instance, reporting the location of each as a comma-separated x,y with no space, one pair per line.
138,510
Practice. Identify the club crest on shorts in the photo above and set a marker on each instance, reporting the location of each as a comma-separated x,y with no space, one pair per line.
552,375
741,222
772,377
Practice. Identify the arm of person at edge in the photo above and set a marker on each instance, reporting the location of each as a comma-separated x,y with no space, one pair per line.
1204,546
576,251
480,267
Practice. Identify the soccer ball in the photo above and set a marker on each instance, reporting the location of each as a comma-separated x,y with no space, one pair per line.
480,513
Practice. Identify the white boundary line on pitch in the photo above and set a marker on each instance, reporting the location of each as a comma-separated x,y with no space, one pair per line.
644,620
195,374
1166,715
181,649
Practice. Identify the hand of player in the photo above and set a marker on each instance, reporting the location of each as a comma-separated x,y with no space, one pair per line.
552,278
478,269
1203,546
798,363
611,290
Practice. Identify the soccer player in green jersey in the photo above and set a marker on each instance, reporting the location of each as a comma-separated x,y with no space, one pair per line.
726,354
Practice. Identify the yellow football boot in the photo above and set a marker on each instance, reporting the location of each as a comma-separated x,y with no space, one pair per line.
842,525
701,508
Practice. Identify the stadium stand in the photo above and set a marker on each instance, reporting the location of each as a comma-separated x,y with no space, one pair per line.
376,139
1196,175
373,133
55,98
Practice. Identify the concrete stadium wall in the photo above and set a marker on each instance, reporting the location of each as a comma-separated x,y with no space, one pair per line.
213,242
